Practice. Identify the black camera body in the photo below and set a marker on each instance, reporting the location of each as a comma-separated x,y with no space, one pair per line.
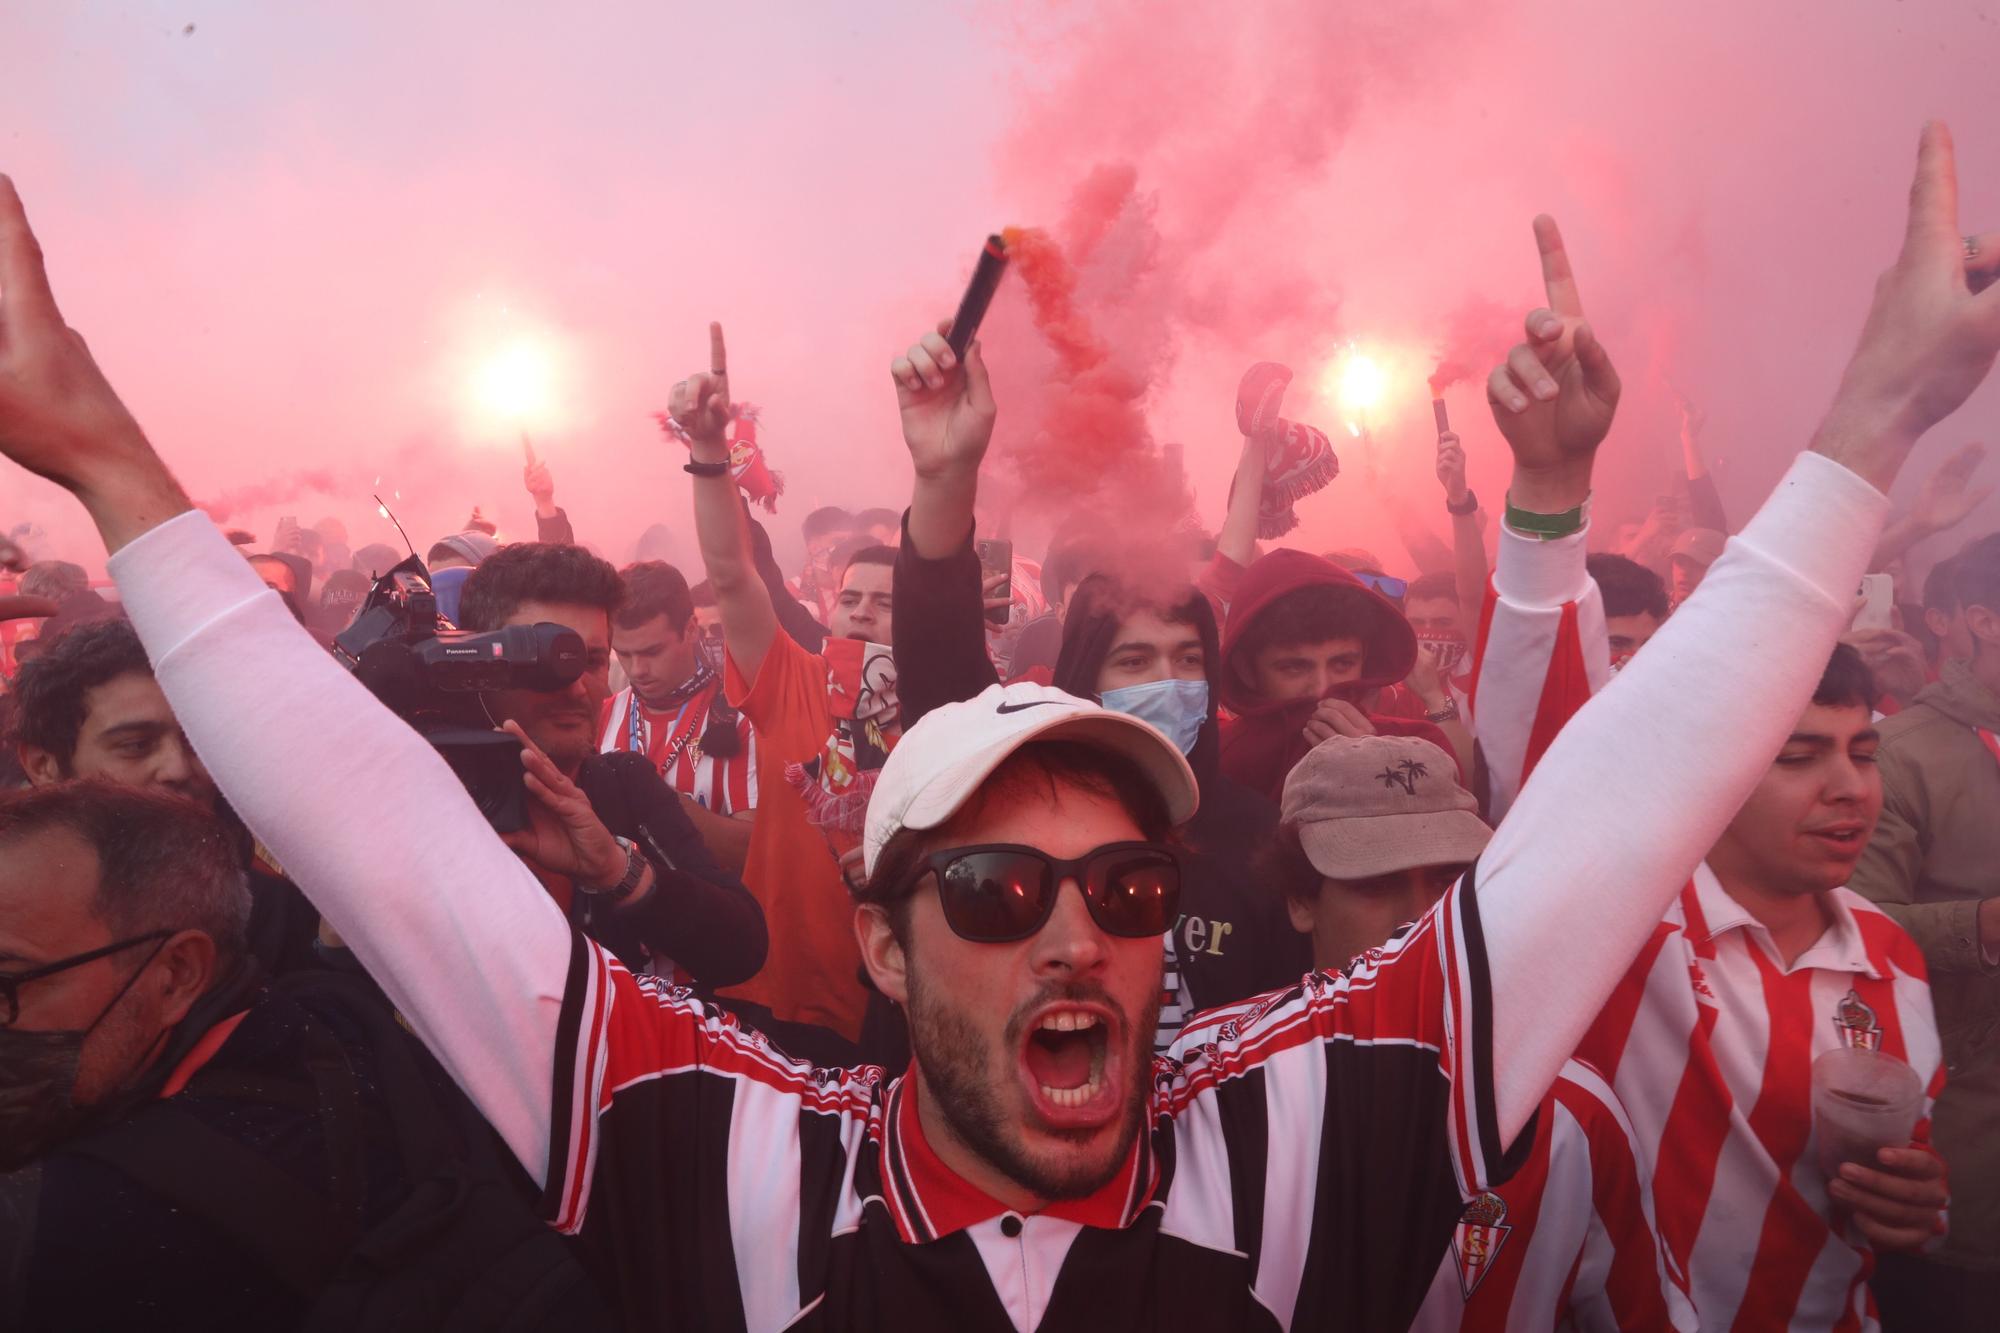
431,675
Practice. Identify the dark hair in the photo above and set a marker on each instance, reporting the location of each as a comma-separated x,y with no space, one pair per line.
864,553
1055,764
1280,861
51,688
827,518
702,594
1438,583
164,863
877,518
535,572
654,588
1847,682
1314,613
1940,586
1975,573
1628,587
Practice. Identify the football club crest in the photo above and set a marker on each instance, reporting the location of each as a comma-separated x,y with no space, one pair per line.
1482,1230
1856,1023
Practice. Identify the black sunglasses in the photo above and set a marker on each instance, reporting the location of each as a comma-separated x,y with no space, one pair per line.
11,982
996,893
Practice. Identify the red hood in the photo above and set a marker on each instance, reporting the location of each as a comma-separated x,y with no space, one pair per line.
1390,643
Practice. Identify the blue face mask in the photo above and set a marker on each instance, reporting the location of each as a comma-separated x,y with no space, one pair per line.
1176,707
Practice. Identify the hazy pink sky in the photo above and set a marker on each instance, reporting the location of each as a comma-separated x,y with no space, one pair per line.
290,233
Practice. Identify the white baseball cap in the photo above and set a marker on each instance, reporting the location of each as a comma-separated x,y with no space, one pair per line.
942,760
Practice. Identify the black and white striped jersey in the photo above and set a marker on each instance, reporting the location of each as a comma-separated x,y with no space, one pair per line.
1304,1167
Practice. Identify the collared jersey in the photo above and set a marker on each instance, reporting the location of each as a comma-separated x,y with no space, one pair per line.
672,739
1709,1043
1568,1241
1302,1165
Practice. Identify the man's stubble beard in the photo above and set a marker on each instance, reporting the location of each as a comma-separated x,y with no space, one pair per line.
948,1048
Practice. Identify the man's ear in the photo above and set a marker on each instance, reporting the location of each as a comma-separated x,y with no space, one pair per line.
1301,912
185,969
41,767
880,953
1984,622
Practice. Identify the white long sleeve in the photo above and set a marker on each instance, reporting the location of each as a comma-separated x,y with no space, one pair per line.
1640,784
1534,585
366,818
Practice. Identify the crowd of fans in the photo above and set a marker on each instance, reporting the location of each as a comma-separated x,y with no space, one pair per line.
1509,939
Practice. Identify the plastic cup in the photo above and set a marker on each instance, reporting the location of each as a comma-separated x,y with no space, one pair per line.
1862,1100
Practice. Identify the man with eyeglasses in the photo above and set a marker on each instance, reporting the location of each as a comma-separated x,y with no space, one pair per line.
123,975
1301,1164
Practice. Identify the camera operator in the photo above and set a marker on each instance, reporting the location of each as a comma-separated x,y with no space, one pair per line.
606,835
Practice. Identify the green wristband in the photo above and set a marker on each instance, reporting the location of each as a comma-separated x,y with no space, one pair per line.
1547,527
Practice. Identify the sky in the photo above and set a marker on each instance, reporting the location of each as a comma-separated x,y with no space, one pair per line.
313,243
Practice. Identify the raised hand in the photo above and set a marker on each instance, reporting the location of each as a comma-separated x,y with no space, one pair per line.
59,416
1932,332
1555,396
1451,468
947,408
541,486
700,404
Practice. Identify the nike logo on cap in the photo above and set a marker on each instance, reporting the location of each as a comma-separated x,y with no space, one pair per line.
1038,703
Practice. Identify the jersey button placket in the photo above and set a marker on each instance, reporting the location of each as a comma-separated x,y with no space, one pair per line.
1010,1226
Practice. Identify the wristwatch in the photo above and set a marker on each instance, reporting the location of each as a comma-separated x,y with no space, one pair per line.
1449,713
635,870
1471,505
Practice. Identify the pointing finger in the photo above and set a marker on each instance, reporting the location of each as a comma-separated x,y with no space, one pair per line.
24,280
1934,192
718,355
527,449
1557,279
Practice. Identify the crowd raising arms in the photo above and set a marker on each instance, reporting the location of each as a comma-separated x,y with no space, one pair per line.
469,946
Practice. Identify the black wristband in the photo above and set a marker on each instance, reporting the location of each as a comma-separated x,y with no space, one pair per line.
1471,505
706,469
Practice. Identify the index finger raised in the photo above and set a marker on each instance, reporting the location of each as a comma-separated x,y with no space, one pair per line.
718,355
24,281
1934,191
1557,279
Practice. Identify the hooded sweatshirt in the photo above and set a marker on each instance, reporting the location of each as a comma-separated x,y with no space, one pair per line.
1265,739
1935,855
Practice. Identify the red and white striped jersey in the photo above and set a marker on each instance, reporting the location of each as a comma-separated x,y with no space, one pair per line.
1709,1043
1567,1242
671,738
1709,1040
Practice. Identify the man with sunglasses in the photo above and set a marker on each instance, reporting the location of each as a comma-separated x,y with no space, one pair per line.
1303,1165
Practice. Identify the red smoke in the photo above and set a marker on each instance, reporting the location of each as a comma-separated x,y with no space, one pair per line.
1475,339
1084,442
278,491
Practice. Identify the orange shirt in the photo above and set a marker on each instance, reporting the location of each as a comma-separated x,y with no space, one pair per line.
812,974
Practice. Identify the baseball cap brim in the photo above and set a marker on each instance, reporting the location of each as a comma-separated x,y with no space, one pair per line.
1381,844
1155,756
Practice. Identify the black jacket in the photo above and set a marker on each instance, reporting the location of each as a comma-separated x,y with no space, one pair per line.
698,914
1233,938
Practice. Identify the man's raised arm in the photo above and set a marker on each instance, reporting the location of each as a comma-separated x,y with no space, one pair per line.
701,408
1635,790
363,814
